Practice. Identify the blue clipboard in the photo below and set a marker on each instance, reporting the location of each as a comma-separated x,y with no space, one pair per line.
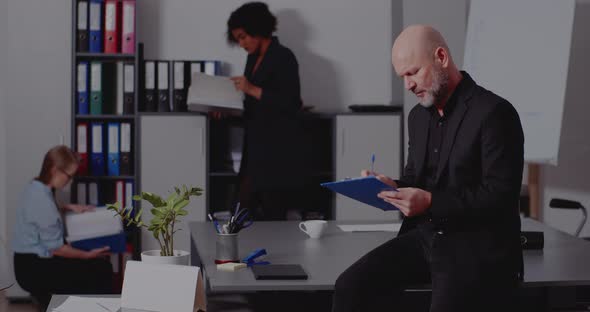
363,189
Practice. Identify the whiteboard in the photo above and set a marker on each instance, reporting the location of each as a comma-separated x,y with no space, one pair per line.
520,49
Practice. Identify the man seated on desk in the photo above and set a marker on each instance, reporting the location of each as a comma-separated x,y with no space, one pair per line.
459,193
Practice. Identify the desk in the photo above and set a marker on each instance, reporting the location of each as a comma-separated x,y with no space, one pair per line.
563,261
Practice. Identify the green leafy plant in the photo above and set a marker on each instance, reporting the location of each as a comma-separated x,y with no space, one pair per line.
166,213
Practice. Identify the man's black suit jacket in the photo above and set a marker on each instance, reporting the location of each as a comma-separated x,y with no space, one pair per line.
474,215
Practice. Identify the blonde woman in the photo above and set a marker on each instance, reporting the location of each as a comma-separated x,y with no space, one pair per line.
43,263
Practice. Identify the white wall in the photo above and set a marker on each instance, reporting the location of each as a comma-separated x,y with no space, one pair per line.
343,47
3,221
3,149
37,88
569,179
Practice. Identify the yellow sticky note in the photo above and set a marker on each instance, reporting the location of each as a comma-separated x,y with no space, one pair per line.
230,266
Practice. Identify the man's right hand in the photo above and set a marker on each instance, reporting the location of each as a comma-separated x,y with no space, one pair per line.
98,252
385,179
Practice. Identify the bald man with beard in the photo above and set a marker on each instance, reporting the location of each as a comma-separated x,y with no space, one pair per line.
459,194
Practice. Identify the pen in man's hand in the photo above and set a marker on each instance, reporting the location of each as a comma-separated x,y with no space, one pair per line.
373,164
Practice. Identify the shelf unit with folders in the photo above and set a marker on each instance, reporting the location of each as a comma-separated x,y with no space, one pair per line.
164,84
104,94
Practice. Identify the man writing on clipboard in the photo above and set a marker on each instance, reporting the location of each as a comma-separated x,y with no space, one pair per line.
459,193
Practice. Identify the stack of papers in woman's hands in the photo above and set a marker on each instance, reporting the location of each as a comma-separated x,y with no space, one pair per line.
95,229
89,304
210,93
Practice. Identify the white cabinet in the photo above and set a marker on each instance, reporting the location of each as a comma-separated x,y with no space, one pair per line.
173,152
358,137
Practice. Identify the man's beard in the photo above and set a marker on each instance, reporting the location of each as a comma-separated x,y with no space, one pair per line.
438,90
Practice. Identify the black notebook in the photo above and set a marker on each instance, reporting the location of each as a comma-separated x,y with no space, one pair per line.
279,272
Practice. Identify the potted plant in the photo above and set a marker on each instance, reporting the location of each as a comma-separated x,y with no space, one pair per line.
166,214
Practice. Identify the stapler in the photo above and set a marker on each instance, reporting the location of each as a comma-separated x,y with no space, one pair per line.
250,260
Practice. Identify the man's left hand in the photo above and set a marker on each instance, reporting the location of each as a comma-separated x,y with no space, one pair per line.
410,201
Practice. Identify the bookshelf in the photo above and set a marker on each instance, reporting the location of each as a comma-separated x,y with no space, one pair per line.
118,86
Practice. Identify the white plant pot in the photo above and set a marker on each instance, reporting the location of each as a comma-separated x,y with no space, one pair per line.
180,257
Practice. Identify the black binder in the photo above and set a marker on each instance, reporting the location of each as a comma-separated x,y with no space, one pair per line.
109,88
279,272
150,93
128,88
82,28
181,78
163,86
126,150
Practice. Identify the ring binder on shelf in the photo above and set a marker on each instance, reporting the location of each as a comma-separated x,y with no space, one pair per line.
128,27
150,93
112,21
128,89
113,149
82,27
97,164
96,88
82,147
95,33
163,90
82,88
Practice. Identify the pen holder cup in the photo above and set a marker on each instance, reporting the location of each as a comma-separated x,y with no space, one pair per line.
226,248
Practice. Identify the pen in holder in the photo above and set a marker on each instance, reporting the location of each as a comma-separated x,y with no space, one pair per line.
226,248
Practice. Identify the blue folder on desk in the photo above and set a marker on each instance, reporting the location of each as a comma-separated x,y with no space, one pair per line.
363,189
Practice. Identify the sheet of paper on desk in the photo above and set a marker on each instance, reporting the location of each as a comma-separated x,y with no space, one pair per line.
208,93
89,304
386,227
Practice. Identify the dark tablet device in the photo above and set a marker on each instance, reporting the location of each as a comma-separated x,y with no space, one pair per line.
279,272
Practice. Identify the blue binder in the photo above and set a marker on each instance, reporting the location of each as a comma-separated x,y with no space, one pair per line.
113,148
115,242
96,17
212,67
82,88
97,155
363,189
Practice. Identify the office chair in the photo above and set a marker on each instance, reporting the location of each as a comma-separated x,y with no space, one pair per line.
570,204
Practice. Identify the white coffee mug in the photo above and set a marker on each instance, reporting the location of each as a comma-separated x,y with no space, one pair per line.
313,228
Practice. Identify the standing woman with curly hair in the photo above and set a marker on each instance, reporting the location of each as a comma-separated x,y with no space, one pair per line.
272,172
